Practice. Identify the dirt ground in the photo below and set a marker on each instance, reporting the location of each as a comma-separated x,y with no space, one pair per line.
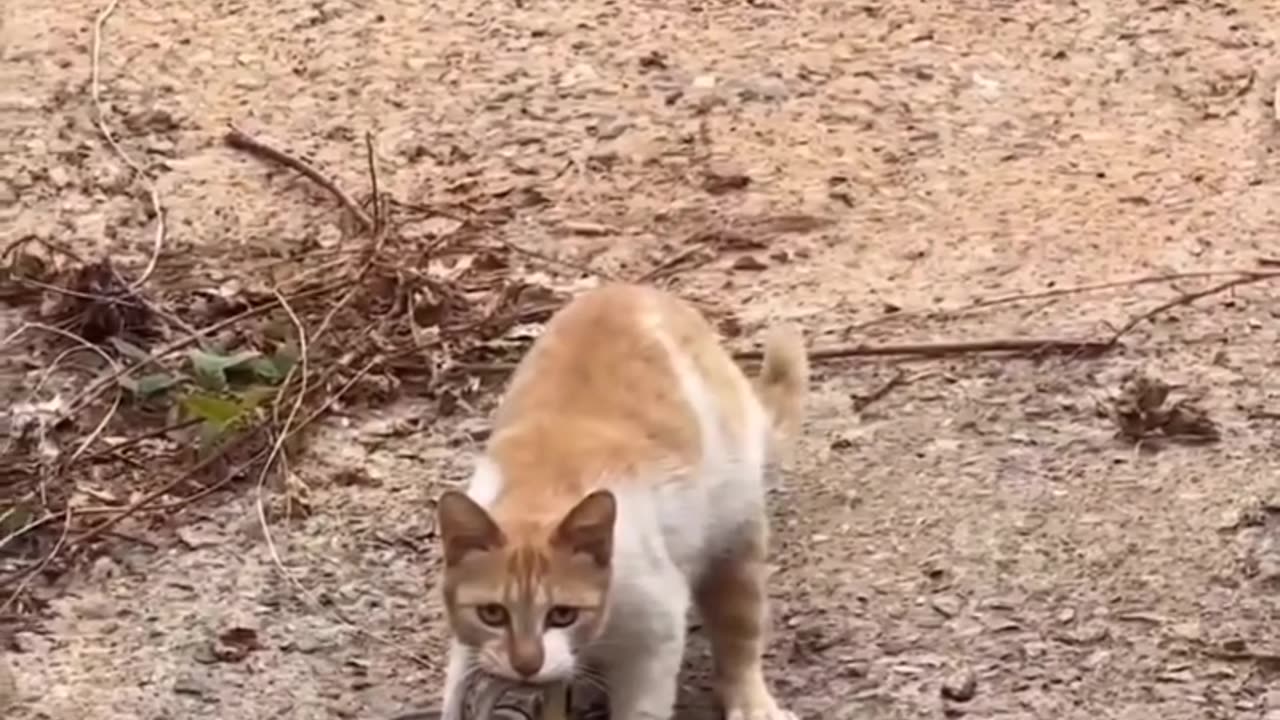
977,525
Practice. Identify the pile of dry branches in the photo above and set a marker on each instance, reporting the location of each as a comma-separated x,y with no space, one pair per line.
223,380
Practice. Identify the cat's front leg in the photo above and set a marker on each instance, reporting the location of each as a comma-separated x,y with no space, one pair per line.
643,683
642,663
455,682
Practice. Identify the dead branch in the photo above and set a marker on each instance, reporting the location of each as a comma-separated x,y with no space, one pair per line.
672,265
862,402
1056,346
376,197
25,576
240,140
1189,298
1058,293
95,90
142,502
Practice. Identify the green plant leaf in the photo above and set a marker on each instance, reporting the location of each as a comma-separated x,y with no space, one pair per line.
210,381
210,437
253,397
210,369
217,412
266,370
149,385
211,362
285,357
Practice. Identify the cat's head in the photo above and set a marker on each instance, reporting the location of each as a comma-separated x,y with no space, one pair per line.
527,598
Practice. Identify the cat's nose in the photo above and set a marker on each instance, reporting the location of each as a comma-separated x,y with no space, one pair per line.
526,668
527,656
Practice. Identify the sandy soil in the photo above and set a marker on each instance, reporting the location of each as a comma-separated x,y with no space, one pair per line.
979,523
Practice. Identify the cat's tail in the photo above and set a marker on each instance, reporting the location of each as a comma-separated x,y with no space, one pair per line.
783,384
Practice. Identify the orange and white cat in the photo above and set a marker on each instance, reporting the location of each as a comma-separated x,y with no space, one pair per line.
623,482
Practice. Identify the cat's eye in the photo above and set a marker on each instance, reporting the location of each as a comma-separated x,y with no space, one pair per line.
493,615
562,616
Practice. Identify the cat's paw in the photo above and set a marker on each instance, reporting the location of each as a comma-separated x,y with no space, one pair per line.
762,707
771,713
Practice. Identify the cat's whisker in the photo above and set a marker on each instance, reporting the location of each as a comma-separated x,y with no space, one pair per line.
594,680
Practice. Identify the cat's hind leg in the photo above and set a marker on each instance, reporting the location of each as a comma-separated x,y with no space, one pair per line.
733,602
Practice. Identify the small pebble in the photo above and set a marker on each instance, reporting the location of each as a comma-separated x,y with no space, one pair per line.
960,686
947,606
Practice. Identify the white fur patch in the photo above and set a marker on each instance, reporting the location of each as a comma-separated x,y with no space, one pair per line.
486,482
667,532
558,662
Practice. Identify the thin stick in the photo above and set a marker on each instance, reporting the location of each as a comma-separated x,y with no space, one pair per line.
135,506
85,344
30,574
29,527
1087,348
239,140
862,402
95,89
378,219
1191,297
139,439
552,260
260,504
671,264
1056,293
278,446
50,244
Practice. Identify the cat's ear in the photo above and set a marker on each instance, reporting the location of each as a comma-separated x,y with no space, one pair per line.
588,528
465,527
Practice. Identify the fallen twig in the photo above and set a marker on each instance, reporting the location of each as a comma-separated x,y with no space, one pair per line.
139,439
1084,348
95,90
29,573
900,377
379,219
1191,297
240,140
81,343
552,260
142,502
277,450
1081,348
671,265
1056,293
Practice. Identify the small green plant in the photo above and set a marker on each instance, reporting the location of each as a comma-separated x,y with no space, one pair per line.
224,391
